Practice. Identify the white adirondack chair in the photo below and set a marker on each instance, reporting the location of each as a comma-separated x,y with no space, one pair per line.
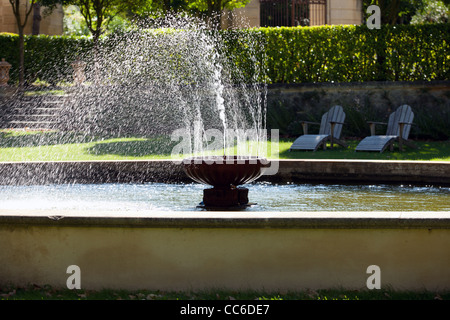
330,130
398,128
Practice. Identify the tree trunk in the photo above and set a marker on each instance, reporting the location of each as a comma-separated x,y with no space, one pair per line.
96,40
214,13
21,26
21,58
36,18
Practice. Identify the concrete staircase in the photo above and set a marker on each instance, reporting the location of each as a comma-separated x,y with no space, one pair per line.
31,112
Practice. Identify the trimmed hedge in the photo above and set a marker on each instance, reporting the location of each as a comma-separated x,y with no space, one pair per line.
47,58
356,53
286,54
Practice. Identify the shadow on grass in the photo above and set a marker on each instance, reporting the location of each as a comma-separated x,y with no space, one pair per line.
18,139
134,148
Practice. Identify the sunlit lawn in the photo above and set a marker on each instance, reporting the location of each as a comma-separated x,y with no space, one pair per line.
20,145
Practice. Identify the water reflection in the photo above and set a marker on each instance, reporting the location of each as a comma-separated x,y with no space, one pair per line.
269,197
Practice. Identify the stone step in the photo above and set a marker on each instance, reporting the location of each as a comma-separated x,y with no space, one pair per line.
28,124
30,117
33,111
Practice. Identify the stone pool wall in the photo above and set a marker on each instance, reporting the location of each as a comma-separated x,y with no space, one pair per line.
295,171
225,250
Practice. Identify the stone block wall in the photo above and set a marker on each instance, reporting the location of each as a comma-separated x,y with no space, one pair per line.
51,24
288,105
344,12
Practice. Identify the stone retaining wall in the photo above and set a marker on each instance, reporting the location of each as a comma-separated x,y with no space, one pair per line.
288,104
295,171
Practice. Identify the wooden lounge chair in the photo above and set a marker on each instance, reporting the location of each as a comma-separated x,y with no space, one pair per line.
330,130
398,128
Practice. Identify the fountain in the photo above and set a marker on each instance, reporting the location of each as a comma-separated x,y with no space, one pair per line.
170,75
225,175
179,83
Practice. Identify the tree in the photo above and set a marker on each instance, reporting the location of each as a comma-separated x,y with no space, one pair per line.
22,10
21,16
209,10
166,6
433,12
396,11
49,5
212,9
36,19
99,13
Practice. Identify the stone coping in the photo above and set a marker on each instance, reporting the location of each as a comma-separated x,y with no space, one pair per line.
167,171
362,85
236,220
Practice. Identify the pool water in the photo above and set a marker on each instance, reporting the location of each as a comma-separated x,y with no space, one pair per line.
186,197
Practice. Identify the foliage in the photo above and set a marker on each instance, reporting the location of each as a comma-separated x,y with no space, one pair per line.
209,10
48,58
98,14
349,53
433,12
286,54
21,17
74,23
395,11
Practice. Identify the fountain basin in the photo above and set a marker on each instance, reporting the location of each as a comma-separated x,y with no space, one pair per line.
186,250
225,174
225,171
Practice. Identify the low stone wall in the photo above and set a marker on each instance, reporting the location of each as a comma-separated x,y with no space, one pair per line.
166,171
226,250
288,104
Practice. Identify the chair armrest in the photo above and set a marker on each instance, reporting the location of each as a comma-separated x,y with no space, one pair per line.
374,122
309,122
336,122
372,126
305,125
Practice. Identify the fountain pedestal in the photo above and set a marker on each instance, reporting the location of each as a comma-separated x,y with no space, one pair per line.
225,174
231,197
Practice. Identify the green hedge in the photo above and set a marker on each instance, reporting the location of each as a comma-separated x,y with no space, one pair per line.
47,58
285,55
356,53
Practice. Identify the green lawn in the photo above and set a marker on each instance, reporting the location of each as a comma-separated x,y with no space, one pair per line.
20,145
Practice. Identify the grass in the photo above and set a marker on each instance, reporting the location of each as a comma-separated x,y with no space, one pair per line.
26,145
34,292
426,150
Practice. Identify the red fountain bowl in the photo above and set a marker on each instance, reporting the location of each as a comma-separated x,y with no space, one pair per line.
224,172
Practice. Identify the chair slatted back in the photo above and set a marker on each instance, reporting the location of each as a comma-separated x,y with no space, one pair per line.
335,114
402,114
